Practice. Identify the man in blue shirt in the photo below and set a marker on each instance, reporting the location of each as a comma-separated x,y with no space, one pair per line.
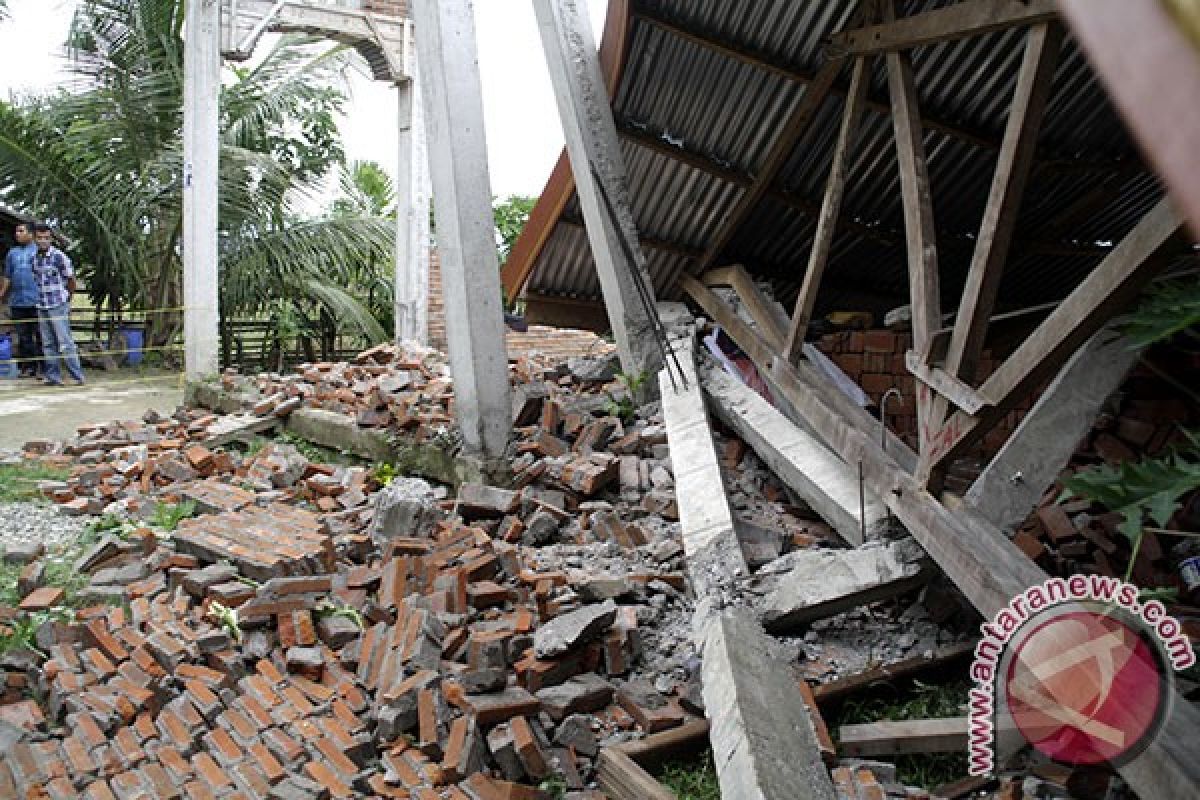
55,281
22,295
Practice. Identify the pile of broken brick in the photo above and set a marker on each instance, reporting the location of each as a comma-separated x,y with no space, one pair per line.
312,632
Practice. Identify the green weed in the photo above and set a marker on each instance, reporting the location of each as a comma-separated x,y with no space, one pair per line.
167,516
18,482
923,701
692,780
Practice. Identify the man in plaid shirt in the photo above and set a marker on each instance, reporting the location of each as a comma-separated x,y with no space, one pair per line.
55,280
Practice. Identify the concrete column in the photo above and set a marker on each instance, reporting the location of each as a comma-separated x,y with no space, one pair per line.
592,141
201,147
462,193
412,208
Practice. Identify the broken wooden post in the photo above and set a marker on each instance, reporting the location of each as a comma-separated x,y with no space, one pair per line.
595,155
445,33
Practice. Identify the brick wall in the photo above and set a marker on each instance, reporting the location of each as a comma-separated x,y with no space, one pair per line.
552,343
874,359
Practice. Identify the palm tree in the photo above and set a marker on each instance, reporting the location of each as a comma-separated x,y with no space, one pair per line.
105,162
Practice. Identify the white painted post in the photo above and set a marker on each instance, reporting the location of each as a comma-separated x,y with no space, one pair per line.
591,138
412,208
462,195
201,148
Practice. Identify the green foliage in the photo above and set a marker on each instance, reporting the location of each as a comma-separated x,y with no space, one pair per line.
555,786
692,780
328,608
18,482
167,516
227,618
624,405
1150,488
510,216
104,162
385,473
1169,308
366,191
22,629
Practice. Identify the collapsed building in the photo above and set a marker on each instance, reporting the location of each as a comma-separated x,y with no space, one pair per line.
771,207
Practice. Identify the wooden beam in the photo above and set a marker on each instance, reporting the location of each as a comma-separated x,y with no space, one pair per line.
622,779
1110,287
958,21
651,141
920,232
831,208
812,380
945,384
982,562
1152,71
764,312
1034,82
781,150
891,737
767,63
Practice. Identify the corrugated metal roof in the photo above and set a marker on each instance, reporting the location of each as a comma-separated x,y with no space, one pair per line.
729,112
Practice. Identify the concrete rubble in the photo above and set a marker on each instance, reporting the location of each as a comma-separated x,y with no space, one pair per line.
321,629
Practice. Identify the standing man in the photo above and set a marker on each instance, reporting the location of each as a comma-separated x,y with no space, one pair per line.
22,296
55,281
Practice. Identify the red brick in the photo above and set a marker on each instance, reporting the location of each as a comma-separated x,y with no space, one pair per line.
325,776
42,599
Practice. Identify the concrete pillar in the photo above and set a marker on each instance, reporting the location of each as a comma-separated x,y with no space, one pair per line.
592,141
412,208
462,194
201,147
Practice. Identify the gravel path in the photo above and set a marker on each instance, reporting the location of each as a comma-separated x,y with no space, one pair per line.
34,522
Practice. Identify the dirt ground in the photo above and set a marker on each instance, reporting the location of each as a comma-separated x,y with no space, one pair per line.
29,410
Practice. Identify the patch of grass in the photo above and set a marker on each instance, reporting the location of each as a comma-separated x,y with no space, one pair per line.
167,516
8,583
315,452
692,780
18,482
922,701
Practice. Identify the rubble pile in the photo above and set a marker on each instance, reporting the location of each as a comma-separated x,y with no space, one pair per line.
312,632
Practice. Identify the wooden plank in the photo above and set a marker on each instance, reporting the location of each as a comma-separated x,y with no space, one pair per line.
812,381
920,232
831,208
945,384
1112,286
1034,81
1152,71
765,314
958,21
837,690
658,748
901,737
795,127
621,778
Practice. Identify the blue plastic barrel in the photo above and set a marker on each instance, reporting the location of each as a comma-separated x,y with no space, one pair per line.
133,343
7,368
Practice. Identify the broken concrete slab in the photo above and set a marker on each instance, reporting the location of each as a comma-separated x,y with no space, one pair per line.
829,485
568,631
406,507
822,583
762,737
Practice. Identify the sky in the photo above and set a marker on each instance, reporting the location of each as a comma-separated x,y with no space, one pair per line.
523,130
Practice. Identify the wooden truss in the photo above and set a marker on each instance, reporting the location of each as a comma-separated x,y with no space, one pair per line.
954,409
